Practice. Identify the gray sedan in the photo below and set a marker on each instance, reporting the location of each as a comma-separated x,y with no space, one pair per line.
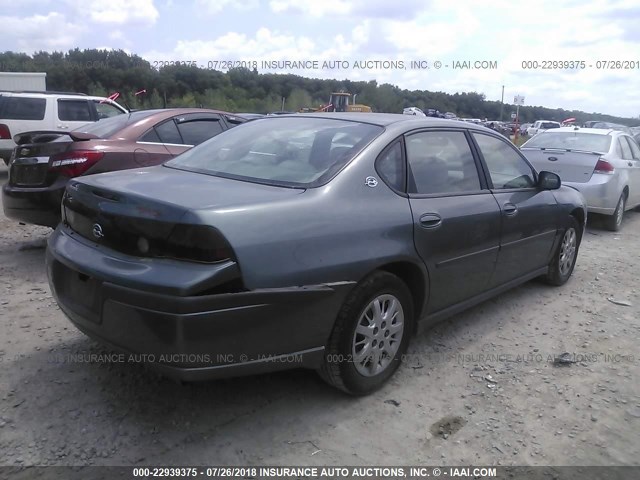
603,164
320,241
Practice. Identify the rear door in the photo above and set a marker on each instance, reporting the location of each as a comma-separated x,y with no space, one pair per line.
73,113
456,218
21,114
529,216
176,135
159,144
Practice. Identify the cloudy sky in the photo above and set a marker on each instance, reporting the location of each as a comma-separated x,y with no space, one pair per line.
504,31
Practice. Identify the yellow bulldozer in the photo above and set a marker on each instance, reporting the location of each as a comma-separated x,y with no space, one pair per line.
339,102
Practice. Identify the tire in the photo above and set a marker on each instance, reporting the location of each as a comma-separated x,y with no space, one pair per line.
347,366
614,222
564,259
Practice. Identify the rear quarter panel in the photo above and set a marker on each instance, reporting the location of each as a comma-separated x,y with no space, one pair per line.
338,232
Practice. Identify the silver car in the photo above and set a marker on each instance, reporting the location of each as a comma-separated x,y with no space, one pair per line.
604,165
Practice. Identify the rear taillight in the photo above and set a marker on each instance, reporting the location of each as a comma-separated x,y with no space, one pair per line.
198,243
5,134
74,163
604,167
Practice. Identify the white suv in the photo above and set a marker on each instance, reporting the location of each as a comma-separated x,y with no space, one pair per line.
27,111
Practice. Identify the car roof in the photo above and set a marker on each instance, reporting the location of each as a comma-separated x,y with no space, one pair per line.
35,94
385,119
141,120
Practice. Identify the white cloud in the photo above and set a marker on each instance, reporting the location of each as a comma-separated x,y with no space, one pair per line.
314,8
37,32
356,9
216,6
265,44
117,12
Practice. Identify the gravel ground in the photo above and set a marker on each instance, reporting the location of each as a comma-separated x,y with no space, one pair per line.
481,388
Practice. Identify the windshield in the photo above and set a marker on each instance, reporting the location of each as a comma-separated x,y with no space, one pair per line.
108,126
589,142
286,151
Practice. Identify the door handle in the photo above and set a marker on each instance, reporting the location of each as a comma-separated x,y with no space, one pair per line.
430,220
630,164
509,209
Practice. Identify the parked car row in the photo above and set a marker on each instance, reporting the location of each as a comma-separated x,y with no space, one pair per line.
27,111
430,112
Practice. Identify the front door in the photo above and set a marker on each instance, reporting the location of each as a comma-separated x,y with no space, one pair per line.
529,215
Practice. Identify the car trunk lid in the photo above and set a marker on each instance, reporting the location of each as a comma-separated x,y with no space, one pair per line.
142,211
186,189
570,165
30,160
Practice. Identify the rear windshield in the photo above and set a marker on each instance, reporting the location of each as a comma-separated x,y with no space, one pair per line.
22,108
285,151
109,126
588,142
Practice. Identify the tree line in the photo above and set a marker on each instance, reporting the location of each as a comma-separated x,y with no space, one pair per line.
103,72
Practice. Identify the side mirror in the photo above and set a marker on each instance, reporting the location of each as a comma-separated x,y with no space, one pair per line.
549,181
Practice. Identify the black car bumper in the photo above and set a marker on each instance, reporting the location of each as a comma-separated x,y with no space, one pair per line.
189,337
39,206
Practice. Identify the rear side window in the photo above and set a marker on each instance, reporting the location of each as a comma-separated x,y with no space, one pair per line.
506,168
74,111
635,150
197,131
441,162
168,133
390,166
151,136
626,150
22,108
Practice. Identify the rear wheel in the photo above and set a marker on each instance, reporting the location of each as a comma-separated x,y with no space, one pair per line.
564,260
370,336
614,222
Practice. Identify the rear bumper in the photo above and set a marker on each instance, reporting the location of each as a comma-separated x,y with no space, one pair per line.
193,337
601,193
39,206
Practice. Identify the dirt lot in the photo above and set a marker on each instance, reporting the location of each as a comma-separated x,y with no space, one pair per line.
480,388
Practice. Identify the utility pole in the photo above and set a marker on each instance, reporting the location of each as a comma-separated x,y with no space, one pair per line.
502,103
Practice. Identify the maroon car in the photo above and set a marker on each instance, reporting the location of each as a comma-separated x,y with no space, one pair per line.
44,161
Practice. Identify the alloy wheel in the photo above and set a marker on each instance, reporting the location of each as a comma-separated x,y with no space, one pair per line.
378,335
567,251
620,211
